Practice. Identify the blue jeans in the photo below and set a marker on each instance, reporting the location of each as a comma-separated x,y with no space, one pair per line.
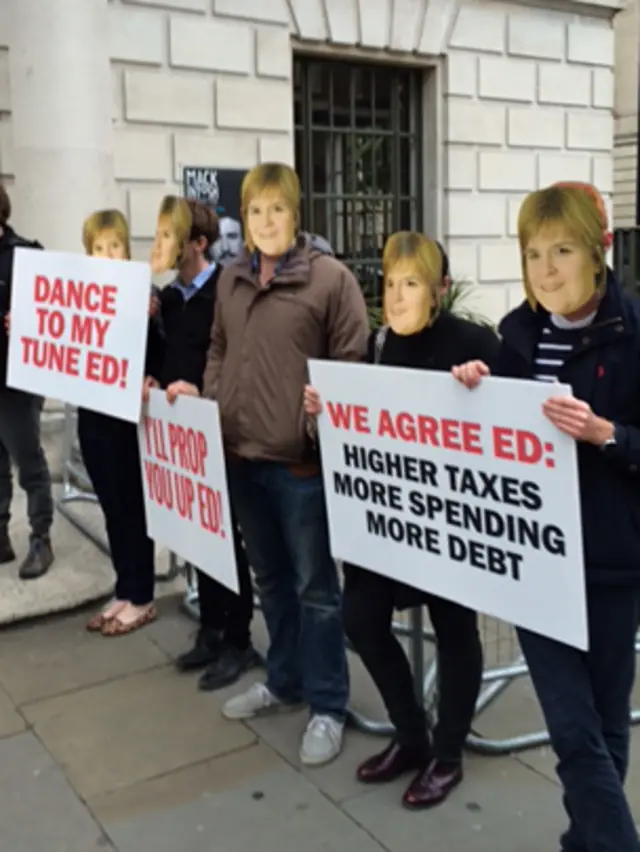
585,698
284,525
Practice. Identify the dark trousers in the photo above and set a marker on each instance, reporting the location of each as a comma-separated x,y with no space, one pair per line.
368,614
110,454
284,524
585,698
221,609
20,442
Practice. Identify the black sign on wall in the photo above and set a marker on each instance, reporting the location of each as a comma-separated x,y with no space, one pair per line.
217,188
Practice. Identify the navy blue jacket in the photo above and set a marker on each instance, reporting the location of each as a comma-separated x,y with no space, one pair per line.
603,370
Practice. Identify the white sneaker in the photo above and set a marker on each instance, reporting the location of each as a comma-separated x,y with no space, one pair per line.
321,741
256,701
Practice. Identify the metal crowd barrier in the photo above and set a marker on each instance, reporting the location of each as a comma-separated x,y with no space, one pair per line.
77,488
496,678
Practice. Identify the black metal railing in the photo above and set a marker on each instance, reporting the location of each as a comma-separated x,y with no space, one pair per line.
358,151
626,257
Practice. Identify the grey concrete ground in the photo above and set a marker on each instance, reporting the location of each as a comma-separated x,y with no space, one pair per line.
105,748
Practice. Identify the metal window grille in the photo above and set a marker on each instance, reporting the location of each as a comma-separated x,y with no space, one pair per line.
358,152
626,258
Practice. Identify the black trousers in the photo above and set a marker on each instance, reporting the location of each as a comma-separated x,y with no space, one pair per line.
223,610
368,614
110,453
20,442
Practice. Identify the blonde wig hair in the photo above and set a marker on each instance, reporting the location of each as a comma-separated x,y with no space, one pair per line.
106,220
422,253
576,211
270,177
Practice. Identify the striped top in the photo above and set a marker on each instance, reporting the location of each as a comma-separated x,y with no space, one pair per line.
556,343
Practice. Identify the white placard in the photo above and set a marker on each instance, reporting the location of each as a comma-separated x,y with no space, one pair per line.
185,484
79,329
469,495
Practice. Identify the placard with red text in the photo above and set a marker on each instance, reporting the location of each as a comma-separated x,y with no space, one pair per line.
185,484
79,330
470,495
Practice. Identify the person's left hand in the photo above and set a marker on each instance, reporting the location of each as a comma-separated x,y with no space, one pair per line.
147,385
311,401
181,388
575,418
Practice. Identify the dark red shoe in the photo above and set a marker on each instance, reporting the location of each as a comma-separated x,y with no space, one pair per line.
391,763
432,786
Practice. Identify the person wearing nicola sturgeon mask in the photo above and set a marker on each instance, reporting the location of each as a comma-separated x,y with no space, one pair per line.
577,326
419,335
111,456
279,304
186,232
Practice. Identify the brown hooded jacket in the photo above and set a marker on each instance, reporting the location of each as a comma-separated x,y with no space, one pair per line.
261,340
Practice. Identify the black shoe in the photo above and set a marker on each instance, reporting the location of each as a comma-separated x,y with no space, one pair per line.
228,668
39,559
391,763
7,553
206,651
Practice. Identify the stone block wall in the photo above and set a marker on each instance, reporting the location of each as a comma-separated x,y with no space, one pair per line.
6,141
195,83
529,97
627,34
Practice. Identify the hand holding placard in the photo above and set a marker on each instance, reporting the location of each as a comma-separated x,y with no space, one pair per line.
79,330
472,497
185,483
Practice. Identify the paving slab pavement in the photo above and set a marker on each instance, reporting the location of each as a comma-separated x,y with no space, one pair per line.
265,804
39,810
103,746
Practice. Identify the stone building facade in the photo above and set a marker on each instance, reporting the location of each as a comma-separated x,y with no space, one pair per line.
627,77
105,101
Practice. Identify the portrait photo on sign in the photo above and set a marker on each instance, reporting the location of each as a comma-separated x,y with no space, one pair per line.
218,188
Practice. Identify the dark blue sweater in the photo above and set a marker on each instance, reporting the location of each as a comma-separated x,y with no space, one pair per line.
603,368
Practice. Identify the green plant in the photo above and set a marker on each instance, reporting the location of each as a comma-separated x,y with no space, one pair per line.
455,300
374,313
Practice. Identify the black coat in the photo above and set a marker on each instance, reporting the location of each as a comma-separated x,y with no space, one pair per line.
187,328
448,342
9,242
604,370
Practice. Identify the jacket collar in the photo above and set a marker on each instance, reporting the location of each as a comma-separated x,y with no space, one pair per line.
521,328
293,268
